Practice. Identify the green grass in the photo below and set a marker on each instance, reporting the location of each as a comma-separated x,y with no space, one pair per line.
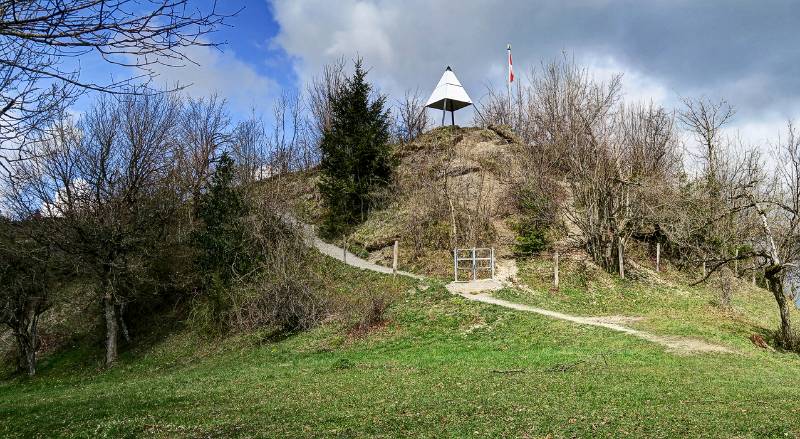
442,367
668,305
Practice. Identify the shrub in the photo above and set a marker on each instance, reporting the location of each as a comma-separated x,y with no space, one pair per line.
283,297
266,280
538,208
282,294
531,238
366,313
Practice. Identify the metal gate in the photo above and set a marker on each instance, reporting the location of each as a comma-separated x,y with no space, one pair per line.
473,260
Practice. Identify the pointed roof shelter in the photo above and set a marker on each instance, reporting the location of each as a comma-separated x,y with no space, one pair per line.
448,95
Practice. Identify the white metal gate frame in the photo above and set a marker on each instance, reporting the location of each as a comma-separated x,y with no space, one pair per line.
473,259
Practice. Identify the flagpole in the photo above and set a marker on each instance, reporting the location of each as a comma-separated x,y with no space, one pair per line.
508,80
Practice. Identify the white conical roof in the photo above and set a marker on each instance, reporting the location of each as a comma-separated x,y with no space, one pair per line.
448,90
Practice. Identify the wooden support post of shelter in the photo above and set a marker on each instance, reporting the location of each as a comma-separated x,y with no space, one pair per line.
448,95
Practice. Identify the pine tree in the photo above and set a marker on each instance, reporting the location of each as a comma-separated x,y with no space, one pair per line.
356,156
221,240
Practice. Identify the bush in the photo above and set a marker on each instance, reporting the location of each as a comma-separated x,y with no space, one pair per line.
530,238
284,297
538,207
208,312
278,290
366,313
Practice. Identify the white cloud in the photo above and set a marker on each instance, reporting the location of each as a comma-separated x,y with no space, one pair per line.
407,45
223,73
636,86
665,50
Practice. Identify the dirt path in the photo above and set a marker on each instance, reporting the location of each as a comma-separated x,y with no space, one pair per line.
476,291
338,253
682,345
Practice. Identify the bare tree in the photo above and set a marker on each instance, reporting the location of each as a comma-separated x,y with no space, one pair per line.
249,147
615,160
110,186
412,120
321,92
204,131
609,155
285,144
777,205
705,120
27,279
40,40
763,210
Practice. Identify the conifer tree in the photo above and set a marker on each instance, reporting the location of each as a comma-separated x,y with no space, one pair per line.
221,240
356,156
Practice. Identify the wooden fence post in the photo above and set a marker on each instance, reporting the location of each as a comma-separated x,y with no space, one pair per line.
555,269
704,268
394,259
621,258
658,257
455,265
736,264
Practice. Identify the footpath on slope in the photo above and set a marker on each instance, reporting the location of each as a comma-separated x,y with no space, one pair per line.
473,291
340,254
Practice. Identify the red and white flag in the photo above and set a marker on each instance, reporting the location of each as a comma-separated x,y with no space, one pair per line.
510,66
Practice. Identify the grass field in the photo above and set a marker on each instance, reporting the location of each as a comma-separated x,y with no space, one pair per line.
441,367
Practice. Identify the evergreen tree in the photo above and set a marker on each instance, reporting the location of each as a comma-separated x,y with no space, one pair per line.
356,156
221,239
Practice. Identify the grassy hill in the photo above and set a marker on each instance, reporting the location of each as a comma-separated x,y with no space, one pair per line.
439,364
447,175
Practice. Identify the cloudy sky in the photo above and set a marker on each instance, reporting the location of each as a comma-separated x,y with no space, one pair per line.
745,52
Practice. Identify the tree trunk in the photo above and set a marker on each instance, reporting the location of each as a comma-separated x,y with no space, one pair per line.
774,275
111,328
27,354
775,283
121,316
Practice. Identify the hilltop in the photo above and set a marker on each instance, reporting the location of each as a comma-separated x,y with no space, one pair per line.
453,186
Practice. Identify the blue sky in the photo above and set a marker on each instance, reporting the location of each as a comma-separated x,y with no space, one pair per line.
250,36
743,51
